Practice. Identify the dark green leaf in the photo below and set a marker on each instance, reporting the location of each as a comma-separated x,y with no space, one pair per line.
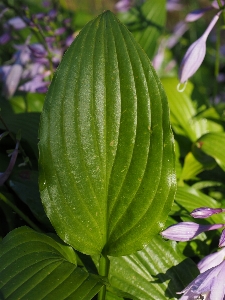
37,266
106,147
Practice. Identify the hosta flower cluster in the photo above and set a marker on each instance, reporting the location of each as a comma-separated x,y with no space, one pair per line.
210,283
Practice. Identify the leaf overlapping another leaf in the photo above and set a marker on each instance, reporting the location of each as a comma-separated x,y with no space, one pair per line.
38,266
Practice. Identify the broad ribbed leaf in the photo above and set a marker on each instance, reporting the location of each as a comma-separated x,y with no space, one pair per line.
106,149
157,272
213,144
37,266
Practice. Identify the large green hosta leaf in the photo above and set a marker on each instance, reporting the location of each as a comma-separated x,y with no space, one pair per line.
106,149
37,266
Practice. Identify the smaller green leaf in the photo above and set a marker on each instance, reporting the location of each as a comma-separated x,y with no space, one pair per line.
189,199
18,118
213,144
147,22
157,272
25,185
37,266
184,111
195,163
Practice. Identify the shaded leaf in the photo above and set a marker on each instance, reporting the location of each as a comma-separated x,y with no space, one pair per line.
213,144
25,185
37,266
156,272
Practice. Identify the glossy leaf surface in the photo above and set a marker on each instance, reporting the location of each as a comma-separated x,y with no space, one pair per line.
213,144
156,272
38,266
106,148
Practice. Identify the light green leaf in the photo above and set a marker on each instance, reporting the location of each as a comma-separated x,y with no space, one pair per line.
157,272
213,144
195,164
37,266
184,111
189,199
191,168
106,147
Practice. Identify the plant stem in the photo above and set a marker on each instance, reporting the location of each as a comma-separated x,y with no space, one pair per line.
20,213
103,271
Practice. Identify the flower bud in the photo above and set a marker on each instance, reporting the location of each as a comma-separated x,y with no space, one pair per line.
195,54
186,231
205,212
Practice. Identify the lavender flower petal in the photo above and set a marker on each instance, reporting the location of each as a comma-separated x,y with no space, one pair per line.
5,38
34,85
210,282
37,50
205,212
215,4
123,5
186,231
174,5
211,260
196,14
222,239
17,23
12,80
195,54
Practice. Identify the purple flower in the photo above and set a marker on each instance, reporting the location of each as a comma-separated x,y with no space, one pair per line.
174,5
186,231
12,80
211,260
37,50
4,176
209,284
195,54
35,85
205,212
222,239
123,5
5,38
196,14
17,23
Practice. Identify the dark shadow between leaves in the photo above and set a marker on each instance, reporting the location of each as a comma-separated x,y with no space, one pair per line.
178,276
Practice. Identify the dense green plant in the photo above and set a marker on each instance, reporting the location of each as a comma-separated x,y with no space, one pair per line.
111,157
